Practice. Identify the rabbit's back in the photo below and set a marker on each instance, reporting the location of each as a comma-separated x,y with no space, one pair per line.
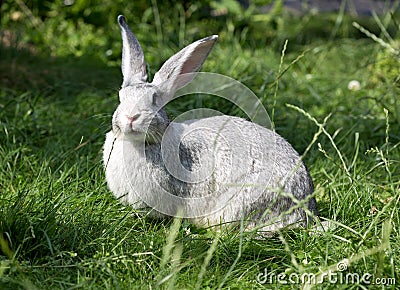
237,151
240,167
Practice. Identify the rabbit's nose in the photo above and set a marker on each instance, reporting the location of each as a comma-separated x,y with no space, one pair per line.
133,118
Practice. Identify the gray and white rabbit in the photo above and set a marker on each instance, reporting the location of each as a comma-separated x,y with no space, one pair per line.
212,171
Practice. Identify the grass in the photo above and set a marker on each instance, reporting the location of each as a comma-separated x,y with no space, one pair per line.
61,228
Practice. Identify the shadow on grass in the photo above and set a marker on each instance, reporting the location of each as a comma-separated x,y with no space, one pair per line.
22,69
52,104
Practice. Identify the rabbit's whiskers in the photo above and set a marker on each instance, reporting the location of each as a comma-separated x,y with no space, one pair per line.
112,148
153,134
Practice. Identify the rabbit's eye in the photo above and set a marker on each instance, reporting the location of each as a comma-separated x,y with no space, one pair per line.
154,99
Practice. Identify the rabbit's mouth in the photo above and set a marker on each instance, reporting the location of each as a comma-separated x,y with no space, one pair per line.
135,133
128,132
132,136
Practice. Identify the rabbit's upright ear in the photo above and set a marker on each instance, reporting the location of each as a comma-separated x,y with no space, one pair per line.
181,68
133,65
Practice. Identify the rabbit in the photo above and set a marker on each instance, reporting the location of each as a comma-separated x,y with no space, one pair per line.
216,171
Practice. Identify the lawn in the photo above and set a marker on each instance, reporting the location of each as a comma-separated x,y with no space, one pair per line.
61,227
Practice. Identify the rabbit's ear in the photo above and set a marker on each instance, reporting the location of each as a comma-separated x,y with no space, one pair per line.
182,67
133,65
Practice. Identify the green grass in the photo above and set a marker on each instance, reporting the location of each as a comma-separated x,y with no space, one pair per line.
61,228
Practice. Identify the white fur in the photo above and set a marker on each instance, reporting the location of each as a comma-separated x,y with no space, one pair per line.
217,170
